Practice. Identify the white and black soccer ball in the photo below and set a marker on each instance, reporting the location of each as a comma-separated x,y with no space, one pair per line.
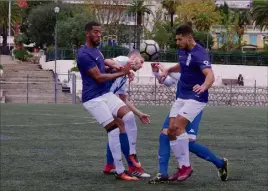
149,49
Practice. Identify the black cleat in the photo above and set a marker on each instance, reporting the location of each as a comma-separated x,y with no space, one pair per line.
223,171
159,179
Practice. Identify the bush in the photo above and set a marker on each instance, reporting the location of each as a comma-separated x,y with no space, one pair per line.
22,54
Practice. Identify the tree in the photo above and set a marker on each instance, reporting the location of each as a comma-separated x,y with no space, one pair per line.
4,21
260,14
170,6
42,19
71,31
138,7
109,11
243,19
198,11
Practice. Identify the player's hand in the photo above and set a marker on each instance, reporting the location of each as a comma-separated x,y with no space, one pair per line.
199,89
131,76
155,67
126,69
145,118
117,67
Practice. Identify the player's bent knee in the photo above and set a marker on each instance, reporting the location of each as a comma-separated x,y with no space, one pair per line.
110,125
121,125
172,132
122,111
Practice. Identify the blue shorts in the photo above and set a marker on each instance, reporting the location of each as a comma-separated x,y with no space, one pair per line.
191,128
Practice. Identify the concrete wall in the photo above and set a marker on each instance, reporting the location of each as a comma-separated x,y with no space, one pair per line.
251,74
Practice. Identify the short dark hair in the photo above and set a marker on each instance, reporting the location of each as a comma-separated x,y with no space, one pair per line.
184,30
135,52
89,26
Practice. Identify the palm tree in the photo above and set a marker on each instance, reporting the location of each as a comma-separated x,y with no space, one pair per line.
243,18
138,7
4,21
260,14
170,6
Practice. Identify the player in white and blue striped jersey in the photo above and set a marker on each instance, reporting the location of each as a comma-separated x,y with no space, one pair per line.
128,136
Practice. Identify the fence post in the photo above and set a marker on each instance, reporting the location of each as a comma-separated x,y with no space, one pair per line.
231,93
155,90
56,82
73,89
27,90
255,93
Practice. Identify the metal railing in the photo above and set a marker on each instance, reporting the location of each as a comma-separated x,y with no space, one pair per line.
171,56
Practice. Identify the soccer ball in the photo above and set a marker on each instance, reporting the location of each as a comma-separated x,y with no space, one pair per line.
149,49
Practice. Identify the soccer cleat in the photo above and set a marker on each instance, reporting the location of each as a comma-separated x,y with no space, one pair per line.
223,171
174,176
125,176
134,159
109,169
159,179
184,173
138,172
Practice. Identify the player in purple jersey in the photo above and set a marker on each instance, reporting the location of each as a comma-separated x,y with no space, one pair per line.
196,78
97,99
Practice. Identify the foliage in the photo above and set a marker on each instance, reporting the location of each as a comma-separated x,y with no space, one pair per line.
42,19
205,38
201,13
21,38
113,51
170,6
108,11
22,54
4,21
71,31
140,8
260,13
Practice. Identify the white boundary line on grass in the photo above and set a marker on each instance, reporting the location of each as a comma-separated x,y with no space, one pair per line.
55,124
47,114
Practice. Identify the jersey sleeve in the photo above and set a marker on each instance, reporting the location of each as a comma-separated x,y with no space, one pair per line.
202,61
86,62
121,60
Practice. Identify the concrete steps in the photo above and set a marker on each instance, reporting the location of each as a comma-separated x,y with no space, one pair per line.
39,86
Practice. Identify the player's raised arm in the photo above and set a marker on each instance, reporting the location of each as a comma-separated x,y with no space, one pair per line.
112,64
100,77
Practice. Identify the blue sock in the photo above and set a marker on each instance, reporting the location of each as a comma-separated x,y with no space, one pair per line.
163,154
109,156
206,154
125,147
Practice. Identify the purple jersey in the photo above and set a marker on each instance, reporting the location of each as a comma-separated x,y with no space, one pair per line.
88,58
191,65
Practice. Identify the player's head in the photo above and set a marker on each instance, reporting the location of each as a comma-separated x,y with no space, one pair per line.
93,33
138,59
184,36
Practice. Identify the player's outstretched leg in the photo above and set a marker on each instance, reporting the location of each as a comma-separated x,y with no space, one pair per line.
205,153
163,156
163,159
114,144
131,129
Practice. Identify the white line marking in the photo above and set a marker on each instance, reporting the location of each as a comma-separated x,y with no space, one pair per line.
54,124
47,114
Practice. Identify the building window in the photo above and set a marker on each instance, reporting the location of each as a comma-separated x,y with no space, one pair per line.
253,39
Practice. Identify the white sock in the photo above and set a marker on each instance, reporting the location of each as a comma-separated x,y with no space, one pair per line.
114,144
183,141
131,130
180,148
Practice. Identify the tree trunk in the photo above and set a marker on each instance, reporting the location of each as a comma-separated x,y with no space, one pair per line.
171,20
4,43
139,30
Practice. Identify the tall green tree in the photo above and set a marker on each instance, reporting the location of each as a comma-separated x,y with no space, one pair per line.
170,6
4,20
243,19
139,7
260,13
71,31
